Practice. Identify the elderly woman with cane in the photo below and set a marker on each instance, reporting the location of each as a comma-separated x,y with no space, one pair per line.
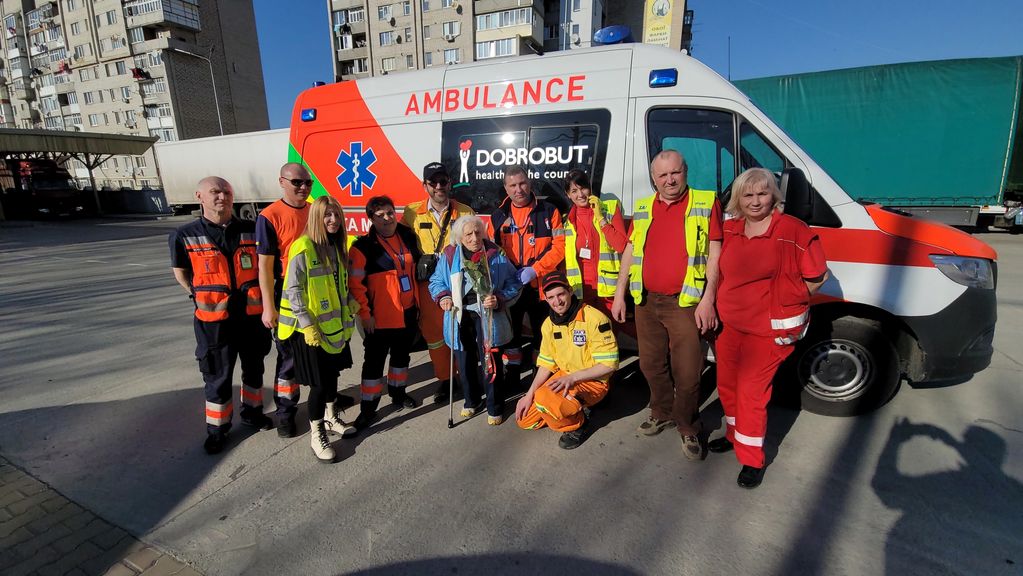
770,265
475,284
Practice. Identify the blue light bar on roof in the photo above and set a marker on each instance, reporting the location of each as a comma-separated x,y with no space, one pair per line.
663,78
309,114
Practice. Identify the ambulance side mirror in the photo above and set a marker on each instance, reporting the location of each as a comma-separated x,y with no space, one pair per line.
795,190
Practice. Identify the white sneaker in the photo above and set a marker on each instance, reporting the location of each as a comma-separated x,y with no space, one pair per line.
319,442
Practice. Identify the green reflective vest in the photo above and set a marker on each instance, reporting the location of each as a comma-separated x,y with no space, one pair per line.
698,211
609,263
321,297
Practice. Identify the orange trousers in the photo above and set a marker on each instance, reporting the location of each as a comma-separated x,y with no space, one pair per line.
560,413
431,324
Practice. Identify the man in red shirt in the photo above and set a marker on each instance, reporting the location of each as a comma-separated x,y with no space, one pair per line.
678,233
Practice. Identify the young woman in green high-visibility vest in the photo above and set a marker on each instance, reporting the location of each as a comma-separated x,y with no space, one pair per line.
317,315
595,236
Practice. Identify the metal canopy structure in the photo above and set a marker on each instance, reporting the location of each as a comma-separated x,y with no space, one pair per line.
89,148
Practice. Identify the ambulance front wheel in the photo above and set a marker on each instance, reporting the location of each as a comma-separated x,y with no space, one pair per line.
846,367
248,212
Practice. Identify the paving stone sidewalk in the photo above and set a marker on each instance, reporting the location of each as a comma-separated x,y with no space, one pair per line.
44,533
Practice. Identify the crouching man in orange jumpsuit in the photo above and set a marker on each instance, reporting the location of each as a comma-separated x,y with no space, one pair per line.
578,355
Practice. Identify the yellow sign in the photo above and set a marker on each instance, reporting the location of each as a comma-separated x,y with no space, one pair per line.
657,22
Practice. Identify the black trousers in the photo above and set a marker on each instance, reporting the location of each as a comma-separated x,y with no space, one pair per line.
397,342
217,346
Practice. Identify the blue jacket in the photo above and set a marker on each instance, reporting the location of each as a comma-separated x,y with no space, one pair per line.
449,280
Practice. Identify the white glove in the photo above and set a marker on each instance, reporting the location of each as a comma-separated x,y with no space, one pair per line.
527,275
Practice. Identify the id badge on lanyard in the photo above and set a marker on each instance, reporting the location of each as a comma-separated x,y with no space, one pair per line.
404,281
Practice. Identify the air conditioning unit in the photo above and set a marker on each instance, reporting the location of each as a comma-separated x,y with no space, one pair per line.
449,37
575,39
127,100
391,21
129,125
398,40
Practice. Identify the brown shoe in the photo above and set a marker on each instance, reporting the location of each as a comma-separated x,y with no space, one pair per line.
692,449
653,426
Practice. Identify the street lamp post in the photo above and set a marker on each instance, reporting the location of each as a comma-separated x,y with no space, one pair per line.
213,81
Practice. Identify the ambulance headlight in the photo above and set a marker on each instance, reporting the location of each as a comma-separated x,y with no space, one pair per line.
972,272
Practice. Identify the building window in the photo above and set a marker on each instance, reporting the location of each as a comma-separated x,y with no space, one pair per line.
452,56
83,50
140,161
426,32
157,86
73,119
339,18
54,33
57,54
85,74
426,5
136,35
384,12
356,15
408,34
493,49
76,28
129,115
165,134
387,38
93,119
126,93
387,64
122,67
446,3
156,58
451,28
505,18
111,16
72,4
410,62
163,110
406,7
72,97
88,97
577,5
428,59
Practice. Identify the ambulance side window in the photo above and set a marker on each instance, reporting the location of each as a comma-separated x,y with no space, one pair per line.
706,138
756,152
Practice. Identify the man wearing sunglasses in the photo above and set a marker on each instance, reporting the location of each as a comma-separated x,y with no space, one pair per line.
277,226
431,220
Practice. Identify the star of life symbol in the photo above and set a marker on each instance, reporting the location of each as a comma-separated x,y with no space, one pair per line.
355,168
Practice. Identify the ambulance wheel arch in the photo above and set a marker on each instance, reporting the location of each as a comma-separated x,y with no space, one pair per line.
848,365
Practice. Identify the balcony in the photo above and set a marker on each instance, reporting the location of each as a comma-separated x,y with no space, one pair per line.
24,93
487,6
180,13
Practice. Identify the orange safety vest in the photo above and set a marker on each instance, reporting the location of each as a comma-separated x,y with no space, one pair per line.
215,277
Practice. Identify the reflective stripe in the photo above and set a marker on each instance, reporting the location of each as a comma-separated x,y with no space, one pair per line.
635,286
371,389
792,322
640,216
605,281
286,389
702,212
358,272
567,232
535,425
513,355
435,345
784,341
749,440
198,241
542,358
248,237
320,271
637,260
252,396
218,414
730,420
558,232
397,377
698,261
610,257
692,291
288,321
206,307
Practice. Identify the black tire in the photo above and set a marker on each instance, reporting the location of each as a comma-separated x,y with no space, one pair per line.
248,212
845,367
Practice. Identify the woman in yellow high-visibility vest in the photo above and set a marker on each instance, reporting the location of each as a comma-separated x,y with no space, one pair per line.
317,315
595,236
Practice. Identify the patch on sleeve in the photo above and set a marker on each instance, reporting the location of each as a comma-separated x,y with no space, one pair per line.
604,327
557,335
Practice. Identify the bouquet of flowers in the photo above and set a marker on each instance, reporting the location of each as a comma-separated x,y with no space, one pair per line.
478,269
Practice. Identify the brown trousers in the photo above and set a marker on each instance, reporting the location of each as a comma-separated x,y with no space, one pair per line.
671,359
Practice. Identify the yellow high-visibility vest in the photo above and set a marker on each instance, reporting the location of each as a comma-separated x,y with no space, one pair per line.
698,211
609,263
324,300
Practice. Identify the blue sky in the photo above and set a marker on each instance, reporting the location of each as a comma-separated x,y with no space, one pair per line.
768,37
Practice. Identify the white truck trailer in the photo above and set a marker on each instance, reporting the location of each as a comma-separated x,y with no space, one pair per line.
249,161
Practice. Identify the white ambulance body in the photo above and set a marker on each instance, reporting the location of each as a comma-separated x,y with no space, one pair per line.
906,298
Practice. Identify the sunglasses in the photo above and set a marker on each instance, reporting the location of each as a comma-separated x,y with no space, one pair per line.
298,182
439,182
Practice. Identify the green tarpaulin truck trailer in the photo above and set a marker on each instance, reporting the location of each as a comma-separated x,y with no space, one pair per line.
941,139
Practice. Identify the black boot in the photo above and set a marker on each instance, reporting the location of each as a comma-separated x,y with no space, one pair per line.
400,398
443,392
367,413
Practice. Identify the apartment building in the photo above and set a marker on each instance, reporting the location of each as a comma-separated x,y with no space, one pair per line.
175,69
376,37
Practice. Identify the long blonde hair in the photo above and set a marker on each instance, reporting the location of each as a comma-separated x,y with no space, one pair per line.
316,230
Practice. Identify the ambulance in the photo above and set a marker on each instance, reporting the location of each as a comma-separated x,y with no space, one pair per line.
907,299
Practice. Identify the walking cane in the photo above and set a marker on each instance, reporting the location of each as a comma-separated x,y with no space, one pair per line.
451,374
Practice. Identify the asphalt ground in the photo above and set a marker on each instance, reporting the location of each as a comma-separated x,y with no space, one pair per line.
102,403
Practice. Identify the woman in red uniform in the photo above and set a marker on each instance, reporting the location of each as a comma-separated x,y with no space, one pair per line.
770,265
595,238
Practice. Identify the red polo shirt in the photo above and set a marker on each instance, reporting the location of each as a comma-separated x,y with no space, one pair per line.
664,254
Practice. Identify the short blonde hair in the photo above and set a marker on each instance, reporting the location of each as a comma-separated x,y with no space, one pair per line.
750,179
